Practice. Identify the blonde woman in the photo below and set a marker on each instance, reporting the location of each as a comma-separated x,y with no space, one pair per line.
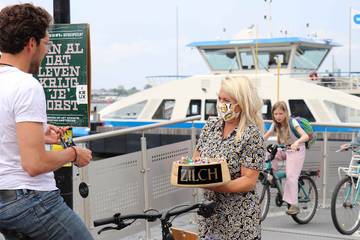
295,158
235,135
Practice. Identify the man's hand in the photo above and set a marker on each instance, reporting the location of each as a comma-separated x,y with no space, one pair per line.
83,156
54,133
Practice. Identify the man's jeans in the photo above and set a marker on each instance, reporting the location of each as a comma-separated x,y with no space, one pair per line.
41,215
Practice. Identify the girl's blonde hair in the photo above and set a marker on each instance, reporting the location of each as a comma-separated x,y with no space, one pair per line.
245,93
285,133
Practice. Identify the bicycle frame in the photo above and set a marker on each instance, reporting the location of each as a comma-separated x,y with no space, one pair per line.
353,171
278,176
347,191
307,190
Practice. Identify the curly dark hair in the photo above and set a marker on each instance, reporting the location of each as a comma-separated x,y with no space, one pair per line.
19,23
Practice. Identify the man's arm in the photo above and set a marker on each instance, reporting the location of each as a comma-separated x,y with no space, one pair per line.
35,160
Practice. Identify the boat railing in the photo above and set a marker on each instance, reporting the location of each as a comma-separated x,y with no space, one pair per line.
338,81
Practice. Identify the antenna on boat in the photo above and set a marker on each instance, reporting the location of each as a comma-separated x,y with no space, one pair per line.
177,41
268,16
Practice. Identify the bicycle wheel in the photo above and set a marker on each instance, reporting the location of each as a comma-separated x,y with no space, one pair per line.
307,199
263,191
345,208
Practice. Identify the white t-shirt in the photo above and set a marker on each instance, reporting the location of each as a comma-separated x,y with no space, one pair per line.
22,99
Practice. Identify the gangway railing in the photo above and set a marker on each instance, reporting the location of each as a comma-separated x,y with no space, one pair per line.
119,132
345,82
144,168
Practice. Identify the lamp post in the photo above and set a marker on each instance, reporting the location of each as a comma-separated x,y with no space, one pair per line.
64,175
61,11
279,61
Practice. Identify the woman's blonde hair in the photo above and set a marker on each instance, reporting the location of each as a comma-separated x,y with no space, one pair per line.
285,133
245,93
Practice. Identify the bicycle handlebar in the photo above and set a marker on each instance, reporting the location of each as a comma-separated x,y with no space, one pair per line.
206,209
117,218
273,147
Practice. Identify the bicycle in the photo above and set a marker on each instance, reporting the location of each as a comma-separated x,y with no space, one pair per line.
307,190
205,209
345,207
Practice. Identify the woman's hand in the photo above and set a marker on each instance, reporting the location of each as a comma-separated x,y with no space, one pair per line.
295,146
196,155
344,147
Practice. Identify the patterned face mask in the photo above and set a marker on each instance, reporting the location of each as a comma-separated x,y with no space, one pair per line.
226,111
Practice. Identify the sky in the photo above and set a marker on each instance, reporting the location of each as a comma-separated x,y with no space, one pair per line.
134,39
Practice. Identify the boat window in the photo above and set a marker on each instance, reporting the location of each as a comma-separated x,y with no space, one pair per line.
221,59
266,110
128,112
343,113
298,108
246,59
266,58
309,58
210,108
194,108
165,109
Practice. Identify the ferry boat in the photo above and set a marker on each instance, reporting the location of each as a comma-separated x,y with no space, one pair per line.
282,69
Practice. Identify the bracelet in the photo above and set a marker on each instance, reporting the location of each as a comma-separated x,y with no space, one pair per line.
75,154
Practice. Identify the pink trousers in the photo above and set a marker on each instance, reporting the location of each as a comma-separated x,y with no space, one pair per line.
294,165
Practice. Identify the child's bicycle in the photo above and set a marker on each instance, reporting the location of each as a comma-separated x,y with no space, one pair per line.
205,209
345,202
307,191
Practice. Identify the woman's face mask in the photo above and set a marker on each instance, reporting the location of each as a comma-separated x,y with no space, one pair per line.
227,111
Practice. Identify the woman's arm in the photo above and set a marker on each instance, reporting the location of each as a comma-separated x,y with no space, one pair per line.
196,155
303,138
251,157
245,183
268,134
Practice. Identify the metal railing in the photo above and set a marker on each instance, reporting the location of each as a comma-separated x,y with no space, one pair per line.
321,155
144,168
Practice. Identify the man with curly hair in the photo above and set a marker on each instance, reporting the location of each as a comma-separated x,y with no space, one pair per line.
30,203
